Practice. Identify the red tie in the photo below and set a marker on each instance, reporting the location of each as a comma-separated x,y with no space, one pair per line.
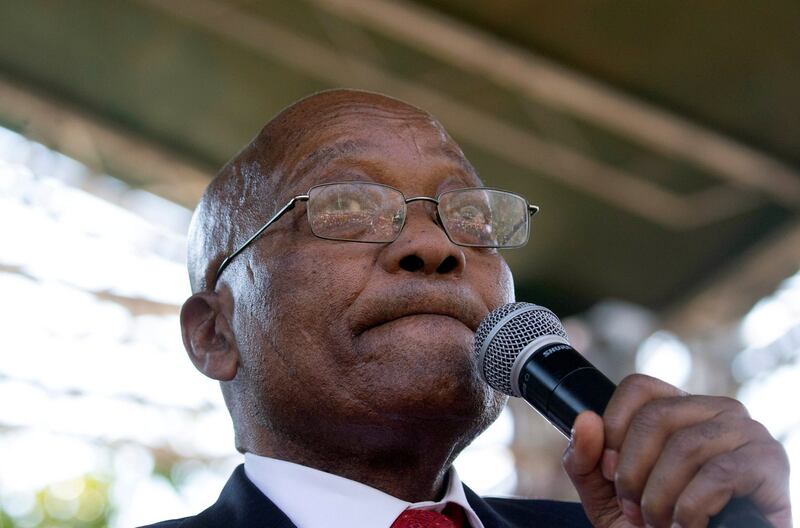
451,517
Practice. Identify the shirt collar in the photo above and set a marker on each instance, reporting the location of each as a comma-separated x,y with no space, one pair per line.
313,499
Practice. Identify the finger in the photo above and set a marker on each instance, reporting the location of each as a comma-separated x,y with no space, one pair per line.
632,393
686,451
586,445
675,423
748,471
581,462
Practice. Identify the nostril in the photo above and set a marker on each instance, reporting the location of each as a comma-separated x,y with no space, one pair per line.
412,263
447,265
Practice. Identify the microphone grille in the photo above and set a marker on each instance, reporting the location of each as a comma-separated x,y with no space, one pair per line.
503,334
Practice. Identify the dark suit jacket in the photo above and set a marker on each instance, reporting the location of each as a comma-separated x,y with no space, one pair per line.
241,505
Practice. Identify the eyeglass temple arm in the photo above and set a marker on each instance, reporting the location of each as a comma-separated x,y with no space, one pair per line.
288,207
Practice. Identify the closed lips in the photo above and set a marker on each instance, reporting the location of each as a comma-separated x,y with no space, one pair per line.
375,314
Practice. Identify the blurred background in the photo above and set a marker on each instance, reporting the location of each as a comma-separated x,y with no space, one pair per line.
661,139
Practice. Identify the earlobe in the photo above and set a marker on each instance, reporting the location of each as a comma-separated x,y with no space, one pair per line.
207,337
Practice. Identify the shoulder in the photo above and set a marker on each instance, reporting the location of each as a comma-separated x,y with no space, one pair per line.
510,513
175,523
240,505
196,521
219,514
215,516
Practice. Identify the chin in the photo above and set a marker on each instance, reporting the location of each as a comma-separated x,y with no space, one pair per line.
423,371
455,395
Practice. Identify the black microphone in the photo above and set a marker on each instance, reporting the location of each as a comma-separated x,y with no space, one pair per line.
523,351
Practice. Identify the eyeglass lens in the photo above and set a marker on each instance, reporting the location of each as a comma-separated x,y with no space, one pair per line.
369,212
484,217
356,211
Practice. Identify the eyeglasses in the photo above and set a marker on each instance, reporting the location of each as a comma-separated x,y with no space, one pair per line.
376,213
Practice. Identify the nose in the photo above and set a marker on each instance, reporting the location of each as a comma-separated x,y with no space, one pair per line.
423,247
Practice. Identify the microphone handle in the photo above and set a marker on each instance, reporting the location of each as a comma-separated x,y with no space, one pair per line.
560,384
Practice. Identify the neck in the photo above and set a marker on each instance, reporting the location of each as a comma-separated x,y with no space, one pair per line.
414,469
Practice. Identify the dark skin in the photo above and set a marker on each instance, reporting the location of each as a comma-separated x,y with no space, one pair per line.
356,358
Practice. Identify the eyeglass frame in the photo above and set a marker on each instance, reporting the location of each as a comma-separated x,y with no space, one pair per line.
532,210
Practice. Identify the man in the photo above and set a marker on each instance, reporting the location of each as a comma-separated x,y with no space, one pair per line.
341,336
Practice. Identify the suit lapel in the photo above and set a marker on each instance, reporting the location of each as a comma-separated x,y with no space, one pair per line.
505,513
242,505
484,511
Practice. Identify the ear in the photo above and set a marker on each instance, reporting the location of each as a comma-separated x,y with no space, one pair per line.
207,337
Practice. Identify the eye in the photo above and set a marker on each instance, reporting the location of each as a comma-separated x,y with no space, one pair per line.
468,221
345,204
471,213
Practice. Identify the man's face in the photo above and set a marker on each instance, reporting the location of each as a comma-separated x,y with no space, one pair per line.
340,338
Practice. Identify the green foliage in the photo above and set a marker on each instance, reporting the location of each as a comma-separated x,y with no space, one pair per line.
78,503
5,520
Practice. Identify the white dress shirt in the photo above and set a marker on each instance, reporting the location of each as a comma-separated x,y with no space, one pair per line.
315,499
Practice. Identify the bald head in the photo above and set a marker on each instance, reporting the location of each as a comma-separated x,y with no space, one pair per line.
249,187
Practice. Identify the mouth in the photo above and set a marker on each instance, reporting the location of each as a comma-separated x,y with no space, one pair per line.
406,307
422,316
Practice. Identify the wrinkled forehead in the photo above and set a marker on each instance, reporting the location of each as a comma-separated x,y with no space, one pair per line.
371,137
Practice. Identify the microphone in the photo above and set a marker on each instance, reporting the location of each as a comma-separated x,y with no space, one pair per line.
523,351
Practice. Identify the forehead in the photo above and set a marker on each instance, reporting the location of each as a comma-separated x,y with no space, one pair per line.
408,150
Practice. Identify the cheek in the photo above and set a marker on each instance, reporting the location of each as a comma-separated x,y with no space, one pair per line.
319,283
494,279
293,307
254,311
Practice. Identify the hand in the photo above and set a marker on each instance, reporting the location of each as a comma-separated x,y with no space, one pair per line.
660,457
